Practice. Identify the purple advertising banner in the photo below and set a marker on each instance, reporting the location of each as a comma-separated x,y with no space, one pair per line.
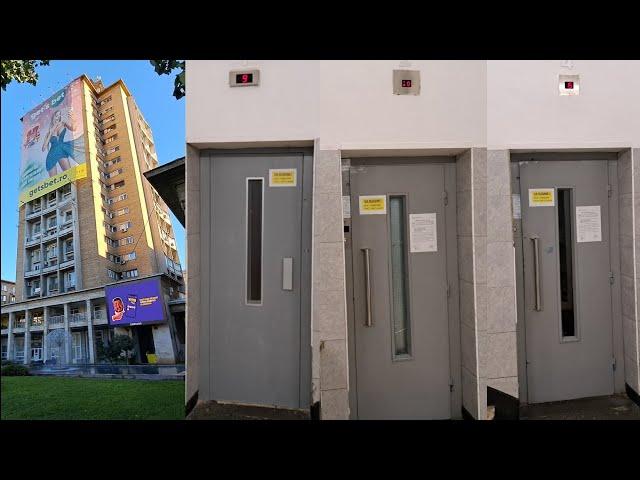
135,303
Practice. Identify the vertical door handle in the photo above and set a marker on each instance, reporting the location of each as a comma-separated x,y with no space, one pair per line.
287,273
367,285
536,272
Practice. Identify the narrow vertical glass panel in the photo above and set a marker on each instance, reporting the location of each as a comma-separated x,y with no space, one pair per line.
565,249
401,333
254,240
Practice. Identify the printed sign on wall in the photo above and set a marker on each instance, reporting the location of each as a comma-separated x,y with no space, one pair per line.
282,177
423,232
373,204
588,224
542,197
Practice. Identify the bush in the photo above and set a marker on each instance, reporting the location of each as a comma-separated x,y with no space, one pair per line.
14,370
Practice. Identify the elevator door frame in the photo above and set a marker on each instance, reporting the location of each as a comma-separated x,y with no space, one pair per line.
614,256
453,307
207,156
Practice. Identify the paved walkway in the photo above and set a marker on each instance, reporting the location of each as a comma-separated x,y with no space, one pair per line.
221,411
614,407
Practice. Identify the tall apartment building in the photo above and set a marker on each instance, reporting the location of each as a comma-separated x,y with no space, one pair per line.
8,292
107,227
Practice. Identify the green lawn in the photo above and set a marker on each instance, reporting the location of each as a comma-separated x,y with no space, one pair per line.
59,398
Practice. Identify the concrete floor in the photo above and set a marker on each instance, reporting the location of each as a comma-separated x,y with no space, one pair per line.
614,407
221,411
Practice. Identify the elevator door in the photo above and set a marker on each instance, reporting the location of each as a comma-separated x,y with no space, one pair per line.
567,290
257,335
400,290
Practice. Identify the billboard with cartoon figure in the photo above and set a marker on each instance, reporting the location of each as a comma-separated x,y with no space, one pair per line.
53,149
135,303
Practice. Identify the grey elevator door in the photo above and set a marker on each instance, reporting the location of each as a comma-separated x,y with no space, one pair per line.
569,347
400,377
256,324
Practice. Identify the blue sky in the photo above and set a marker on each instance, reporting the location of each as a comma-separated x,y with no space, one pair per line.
153,94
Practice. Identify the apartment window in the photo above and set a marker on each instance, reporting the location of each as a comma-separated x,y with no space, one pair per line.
51,251
66,191
109,118
109,129
111,139
122,211
4,298
127,240
51,198
4,288
120,184
114,258
36,228
111,242
35,259
130,273
113,149
106,110
68,246
51,222
113,275
70,280
67,216
112,162
124,226
105,101
35,205
129,256
114,173
52,284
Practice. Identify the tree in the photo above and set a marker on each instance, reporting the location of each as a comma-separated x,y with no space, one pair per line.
165,67
21,71
121,346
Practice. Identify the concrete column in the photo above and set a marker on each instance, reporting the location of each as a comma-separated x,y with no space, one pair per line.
92,356
12,320
27,337
67,345
45,349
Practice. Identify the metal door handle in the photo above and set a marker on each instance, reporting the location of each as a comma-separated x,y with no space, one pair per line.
536,272
367,285
287,273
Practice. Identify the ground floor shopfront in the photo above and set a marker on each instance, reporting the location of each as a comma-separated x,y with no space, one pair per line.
28,331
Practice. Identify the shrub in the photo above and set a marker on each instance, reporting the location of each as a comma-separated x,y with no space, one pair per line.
14,370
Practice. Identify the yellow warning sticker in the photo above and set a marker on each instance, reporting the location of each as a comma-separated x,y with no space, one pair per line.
373,204
542,197
282,177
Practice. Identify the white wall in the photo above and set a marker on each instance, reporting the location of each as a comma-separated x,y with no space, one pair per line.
347,104
524,109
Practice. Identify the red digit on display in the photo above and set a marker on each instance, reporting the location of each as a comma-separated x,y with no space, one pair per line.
245,78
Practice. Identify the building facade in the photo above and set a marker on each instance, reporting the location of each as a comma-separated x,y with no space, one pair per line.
356,244
8,292
108,227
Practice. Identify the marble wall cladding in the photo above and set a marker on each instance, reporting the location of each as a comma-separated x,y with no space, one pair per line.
329,365
471,201
497,341
629,241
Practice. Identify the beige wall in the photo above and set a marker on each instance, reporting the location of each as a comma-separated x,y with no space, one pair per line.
524,109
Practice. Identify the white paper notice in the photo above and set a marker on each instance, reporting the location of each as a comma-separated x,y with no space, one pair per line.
423,234
589,224
346,206
515,204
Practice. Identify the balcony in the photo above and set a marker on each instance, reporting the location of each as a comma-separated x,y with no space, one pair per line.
33,240
99,317
33,292
35,271
56,321
70,288
36,323
50,233
77,319
20,323
66,198
34,213
66,227
50,265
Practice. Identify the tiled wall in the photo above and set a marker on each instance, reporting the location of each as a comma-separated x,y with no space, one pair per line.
629,189
329,365
498,342
471,186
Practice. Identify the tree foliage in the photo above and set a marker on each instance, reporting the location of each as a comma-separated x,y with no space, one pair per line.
119,348
22,71
165,67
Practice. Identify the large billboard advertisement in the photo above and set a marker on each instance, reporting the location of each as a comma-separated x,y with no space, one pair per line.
53,143
135,303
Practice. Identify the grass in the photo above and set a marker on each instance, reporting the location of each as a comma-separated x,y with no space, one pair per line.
59,398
